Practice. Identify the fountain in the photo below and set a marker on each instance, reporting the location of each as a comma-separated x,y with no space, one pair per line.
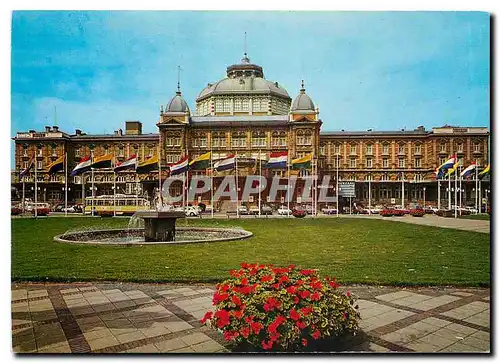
159,228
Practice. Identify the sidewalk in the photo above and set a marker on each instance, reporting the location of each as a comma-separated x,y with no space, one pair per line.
164,318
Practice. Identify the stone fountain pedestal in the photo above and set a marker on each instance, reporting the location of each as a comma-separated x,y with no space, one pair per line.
159,226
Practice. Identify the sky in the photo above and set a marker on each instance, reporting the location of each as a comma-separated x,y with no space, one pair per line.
378,70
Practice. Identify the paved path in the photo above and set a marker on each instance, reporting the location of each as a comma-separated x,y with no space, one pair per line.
474,225
163,318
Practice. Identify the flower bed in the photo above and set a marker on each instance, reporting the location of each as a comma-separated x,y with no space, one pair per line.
299,213
281,309
398,212
417,212
386,212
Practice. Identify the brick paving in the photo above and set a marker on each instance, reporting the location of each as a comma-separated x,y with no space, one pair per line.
161,318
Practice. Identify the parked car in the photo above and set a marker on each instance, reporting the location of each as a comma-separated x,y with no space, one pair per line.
242,210
191,211
254,210
69,209
266,210
78,208
329,210
15,211
58,208
284,211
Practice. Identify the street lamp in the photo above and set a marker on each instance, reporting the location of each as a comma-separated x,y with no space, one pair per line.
424,195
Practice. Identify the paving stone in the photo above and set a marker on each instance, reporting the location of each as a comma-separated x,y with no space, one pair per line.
487,298
37,293
436,322
56,348
433,302
176,326
97,334
375,310
461,329
209,346
459,347
183,350
394,295
481,344
130,336
86,288
403,336
411,300
385,319
481,335
482,319
149,348
171,344
437,340
124,304
194,338
154,331
19,294
103,342
461,293
422,347
465,311
449,334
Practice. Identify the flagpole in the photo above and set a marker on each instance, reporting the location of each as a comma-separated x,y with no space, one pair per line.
260,180
36,188
449,191
211,180
114,194
160,197
65,184
237,193
288,186
337,186
455,193
460,182
476,190
480,197
83,192
402,190
23,195
439,190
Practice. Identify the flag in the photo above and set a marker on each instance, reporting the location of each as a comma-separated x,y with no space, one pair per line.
179,167
439,173
56,166
201,162
277,160
453,169
226,164
25,172
486,171
128,164
82,166
302,163
448,163
103,161
148,165
468,171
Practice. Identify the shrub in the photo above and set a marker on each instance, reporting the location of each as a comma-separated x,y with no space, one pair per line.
15,211
41,211
386,212
398,212
299,213
417,212
281,309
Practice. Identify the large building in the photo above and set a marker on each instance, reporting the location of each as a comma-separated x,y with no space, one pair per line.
249,115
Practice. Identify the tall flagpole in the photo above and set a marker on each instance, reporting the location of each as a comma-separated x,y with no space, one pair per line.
65,184
476,191
83,192
237,191
337,186
211,177
23,205
439,191
260,180
160,197
449,191
456,193
369,195
288,186
114,193
36,188
460,187
402,190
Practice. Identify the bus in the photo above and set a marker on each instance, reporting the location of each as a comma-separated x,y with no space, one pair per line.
123,204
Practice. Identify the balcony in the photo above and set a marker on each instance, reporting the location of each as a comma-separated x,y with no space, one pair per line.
401,152
385,152
417,153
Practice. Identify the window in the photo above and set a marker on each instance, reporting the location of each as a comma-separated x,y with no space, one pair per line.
418,149
133,150
442,159
401,149
368,163
385,177
200,141
418,163
477,147
353,149
385,163
245,104
39,164
385,149
172,158
369,177
238,104
238,140
219,105
337,149
460,147
227,105
219,140
369,150
322,150
25,152
259,139
54,151
336,162
40,152
401,163
278,139
121,151
442,147
353,163
77,152
151,151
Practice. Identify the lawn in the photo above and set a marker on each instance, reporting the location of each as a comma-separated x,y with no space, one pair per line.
354,250
483,217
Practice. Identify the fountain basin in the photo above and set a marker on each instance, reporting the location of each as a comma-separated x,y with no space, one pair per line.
159,225
136,236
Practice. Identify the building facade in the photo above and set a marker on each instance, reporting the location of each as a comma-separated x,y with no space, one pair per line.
248,115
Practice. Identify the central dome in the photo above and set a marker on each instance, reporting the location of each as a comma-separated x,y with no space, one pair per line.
244,78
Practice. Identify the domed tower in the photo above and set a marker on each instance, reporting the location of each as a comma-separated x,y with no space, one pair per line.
244,91
303,107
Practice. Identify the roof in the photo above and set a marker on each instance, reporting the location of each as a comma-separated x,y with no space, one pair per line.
266,120
375,133
302,102
243,85
176,104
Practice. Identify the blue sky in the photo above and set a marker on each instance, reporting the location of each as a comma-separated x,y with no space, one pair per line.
379,70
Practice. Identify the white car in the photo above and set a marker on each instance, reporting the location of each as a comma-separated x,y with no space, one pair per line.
254,210
192,211
69,209
329,210
242,210
283,211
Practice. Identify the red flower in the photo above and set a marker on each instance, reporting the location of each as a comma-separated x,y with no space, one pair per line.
304,342
275,324
299,282
244,265
294,315
249,319
274,337
237,313
224,287
266,278
207,316
316,335
315,296
306,310
346,315
276,286
267,346
296,301
304,294
236,300
348,294
333,284
219,297
244,281
291,267
284,278
245,332
300,324
234,273
230,335
316,285
307,272
223,318
271,303
256,327
291,289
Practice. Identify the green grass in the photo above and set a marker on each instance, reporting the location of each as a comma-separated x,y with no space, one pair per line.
482,217
354,250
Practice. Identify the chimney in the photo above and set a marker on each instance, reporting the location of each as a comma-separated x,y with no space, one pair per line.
32,131
120,132
78,132
47,128
133,128
55,128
